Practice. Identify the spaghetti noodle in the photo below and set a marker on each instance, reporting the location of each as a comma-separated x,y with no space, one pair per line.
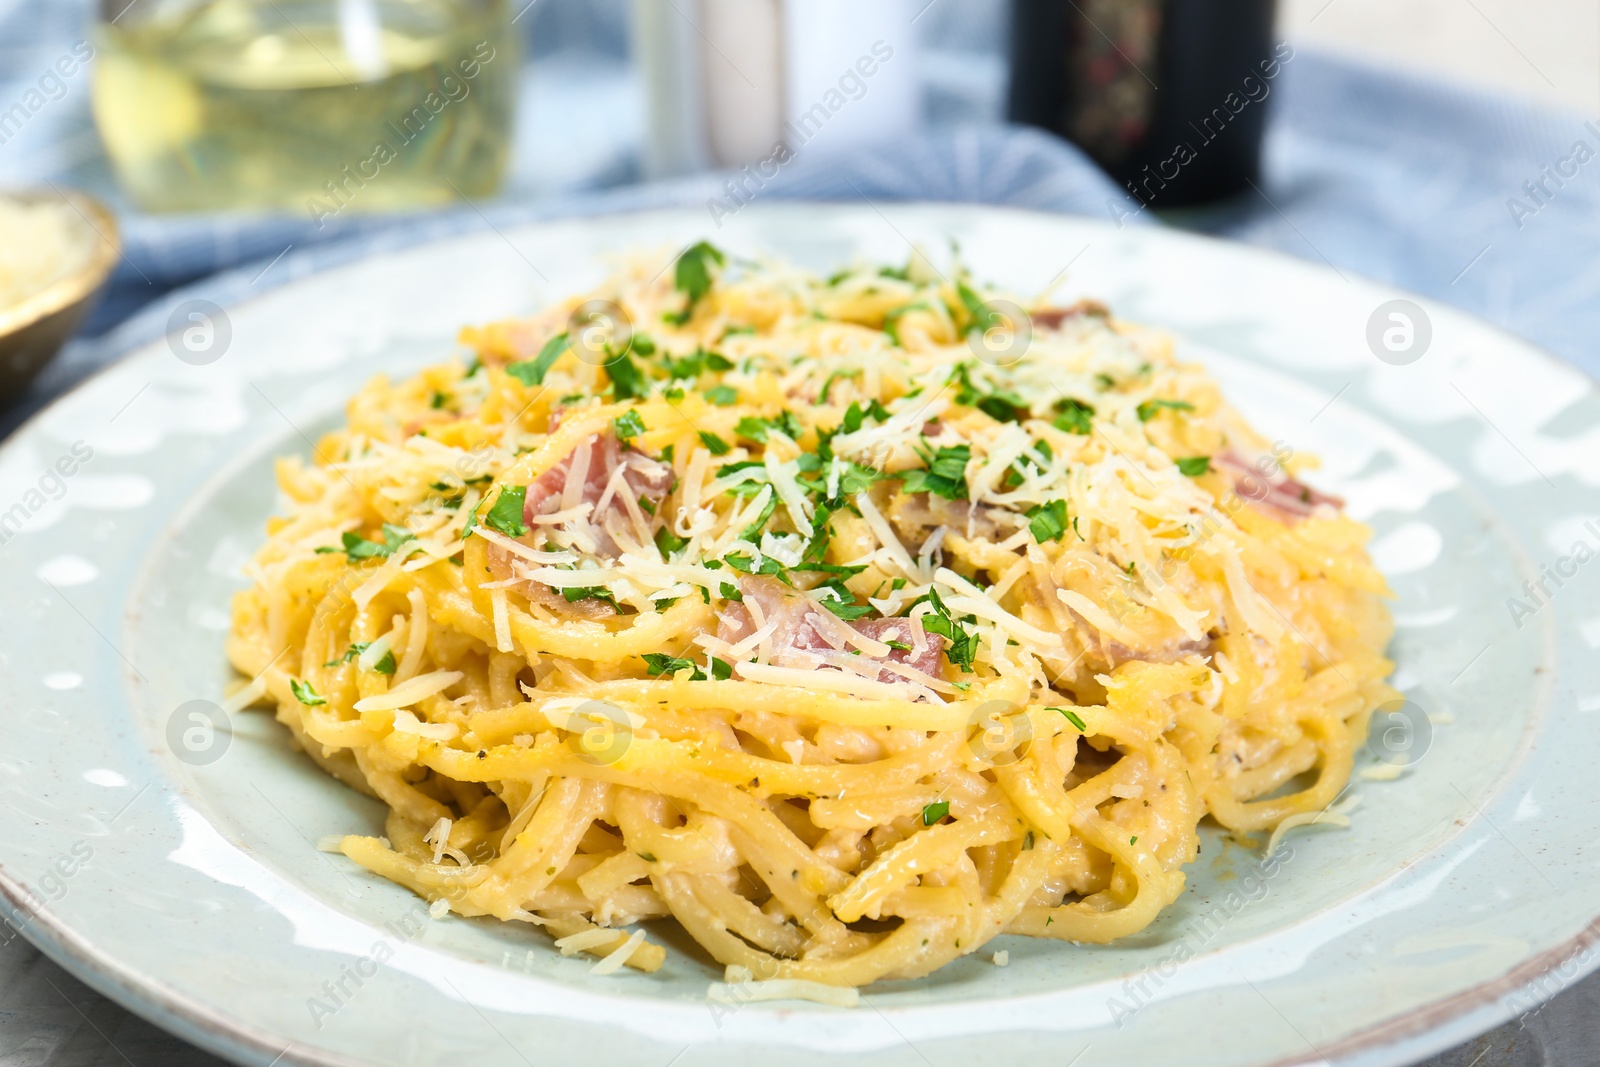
850,623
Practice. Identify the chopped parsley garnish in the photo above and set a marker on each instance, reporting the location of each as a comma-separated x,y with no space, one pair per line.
827,383
745,564
961,644
855,415
817,550
1039,459
357,548
721,670
1048,521
1075,417
980,316
935,811
628,382
385,665
642,344
716,445
853,479
692,278
752,532
1074,718
1150,408
1194,466
472,519
1000,405
945,475
847,612
628,425
304,693
842,603
756,429
750,486
658,663
531,372
669,542
689,367
506,515
349,654
898,646
722,395
588,592
843,570
438,400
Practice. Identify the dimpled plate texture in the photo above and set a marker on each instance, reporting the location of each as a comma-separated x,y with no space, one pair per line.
167,855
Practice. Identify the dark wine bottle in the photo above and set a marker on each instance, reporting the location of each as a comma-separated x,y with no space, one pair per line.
1168,96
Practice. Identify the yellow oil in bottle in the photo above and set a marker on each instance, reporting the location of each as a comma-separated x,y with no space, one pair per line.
313,107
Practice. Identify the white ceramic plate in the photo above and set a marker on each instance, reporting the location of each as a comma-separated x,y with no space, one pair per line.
190,889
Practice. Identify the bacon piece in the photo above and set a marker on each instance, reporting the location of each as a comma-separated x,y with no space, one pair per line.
599,457
1171,652
1052,318
1271,491
915,516
801,626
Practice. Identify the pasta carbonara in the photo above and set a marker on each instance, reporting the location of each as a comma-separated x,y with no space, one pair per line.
847,622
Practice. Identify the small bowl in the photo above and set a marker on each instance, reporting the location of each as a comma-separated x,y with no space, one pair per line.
33,330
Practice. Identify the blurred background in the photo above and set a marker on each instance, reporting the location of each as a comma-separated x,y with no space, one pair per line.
1442,146
221,132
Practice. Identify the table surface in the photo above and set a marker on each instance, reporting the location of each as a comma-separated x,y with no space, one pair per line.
1547,50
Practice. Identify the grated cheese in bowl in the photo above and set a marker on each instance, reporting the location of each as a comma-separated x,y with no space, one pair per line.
41,242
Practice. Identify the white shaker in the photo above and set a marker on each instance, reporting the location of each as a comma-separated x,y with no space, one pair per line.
736,82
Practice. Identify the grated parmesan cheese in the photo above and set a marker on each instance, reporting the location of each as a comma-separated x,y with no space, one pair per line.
411,691
619,957
1335,815
407,723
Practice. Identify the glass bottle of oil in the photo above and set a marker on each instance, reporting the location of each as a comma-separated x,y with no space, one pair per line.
313,106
